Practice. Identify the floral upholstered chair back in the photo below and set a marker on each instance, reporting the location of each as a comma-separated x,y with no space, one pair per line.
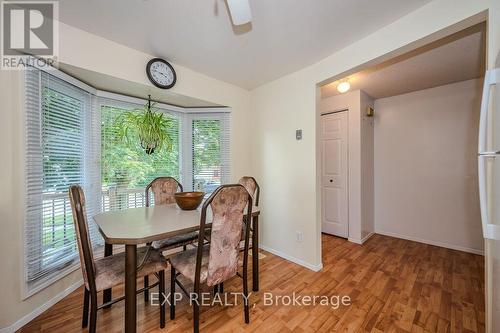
163,189
252,187
77,199
228,207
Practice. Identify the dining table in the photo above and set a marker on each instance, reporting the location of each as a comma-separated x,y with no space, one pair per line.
135,226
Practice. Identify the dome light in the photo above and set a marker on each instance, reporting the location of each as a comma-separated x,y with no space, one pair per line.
343,87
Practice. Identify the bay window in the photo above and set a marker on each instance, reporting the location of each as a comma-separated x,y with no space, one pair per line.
72,138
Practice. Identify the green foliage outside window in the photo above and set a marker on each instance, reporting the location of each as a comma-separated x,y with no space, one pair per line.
124,163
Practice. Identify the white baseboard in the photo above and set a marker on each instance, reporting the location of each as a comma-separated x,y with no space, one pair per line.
425,241
354,240
362,240
41,309
300,262
367,237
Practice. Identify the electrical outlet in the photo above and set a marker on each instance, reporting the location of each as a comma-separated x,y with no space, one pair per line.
300,236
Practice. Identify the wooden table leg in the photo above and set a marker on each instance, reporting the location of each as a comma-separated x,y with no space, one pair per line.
107,294
255,253
130,288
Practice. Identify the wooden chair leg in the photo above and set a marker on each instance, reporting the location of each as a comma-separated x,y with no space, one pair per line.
85,314
219,288
245,301
146,291
172,292
161,290
196,317
196,310
93,312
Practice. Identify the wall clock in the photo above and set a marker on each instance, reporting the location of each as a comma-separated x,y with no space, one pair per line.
161,73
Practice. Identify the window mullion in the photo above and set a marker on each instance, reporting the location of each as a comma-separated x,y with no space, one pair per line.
187,152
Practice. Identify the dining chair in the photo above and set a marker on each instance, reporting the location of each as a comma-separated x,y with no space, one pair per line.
108,272
163,189
253,188
213,263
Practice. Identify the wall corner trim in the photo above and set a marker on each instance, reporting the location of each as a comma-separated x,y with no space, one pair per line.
315,268
362,240
41,309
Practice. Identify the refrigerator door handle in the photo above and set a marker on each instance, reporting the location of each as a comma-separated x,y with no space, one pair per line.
491,77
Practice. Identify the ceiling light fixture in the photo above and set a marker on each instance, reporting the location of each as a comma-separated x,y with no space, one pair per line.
343,86
240,11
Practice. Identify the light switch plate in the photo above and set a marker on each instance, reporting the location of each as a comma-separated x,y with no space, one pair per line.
298,134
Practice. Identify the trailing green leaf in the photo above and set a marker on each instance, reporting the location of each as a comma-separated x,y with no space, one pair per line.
151,128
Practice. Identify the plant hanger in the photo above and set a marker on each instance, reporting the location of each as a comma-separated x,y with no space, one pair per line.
151,128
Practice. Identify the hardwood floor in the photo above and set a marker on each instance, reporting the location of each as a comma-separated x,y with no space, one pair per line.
395,286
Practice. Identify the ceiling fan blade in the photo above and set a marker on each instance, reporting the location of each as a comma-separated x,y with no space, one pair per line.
240,11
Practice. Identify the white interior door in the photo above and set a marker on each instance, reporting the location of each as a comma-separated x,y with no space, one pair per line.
334,185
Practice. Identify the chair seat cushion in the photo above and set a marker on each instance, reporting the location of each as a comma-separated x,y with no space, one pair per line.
175,241
110,271
185,263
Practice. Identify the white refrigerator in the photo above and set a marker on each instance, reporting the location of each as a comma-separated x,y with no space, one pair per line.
489,192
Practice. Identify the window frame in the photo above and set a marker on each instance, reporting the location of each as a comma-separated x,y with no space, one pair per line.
224,120
30,288
126,102
83,121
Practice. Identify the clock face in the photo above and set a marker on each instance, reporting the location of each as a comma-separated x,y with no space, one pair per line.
161,73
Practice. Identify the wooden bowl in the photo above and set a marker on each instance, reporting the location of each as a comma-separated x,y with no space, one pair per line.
189,200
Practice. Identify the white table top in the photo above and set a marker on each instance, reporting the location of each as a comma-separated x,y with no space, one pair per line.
147,224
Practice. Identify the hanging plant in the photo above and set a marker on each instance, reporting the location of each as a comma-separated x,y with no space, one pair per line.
151,128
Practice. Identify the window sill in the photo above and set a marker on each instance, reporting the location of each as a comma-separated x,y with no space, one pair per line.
31,288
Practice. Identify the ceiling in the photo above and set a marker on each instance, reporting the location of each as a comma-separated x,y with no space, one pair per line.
284,35
455,58
111,84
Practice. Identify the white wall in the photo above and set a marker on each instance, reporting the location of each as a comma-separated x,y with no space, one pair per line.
426,167
287,168
360,155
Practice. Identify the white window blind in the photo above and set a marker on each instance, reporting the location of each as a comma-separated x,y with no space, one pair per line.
210,151
125,167
72,138
60,151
